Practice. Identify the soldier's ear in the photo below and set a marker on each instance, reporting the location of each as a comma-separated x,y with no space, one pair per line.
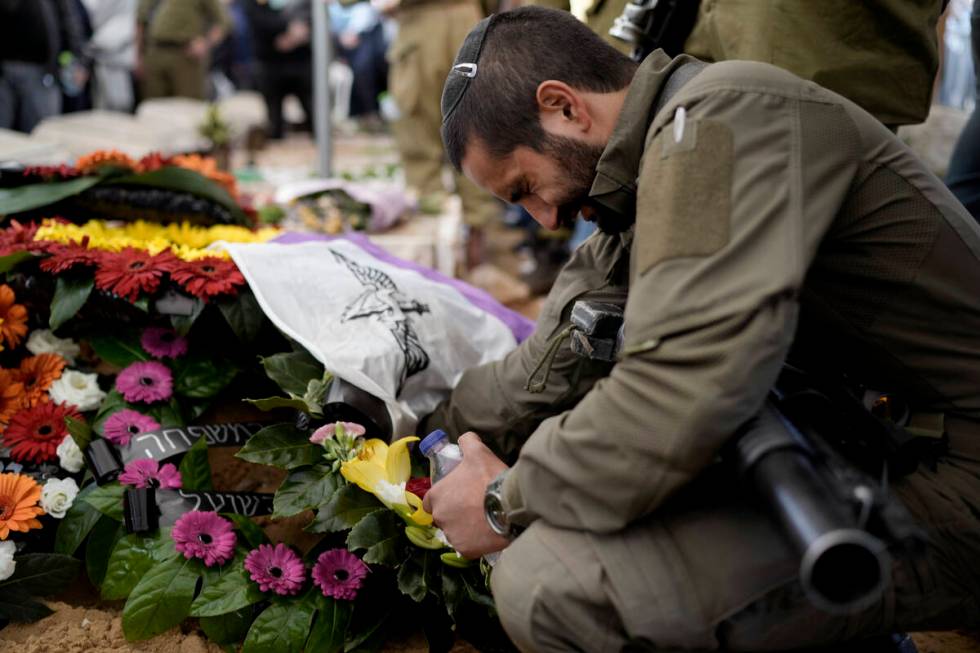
562,109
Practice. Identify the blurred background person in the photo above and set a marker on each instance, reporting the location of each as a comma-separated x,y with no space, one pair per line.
41,45
360,41
174,40
963,177
112,48
283,60
429,35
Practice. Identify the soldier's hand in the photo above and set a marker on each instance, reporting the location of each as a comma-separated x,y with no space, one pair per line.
456,501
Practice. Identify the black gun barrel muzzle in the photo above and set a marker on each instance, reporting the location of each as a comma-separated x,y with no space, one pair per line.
843,568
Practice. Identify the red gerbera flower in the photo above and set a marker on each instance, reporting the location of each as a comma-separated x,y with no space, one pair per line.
65,257
130,271
18,237
152,161
208,277
34,434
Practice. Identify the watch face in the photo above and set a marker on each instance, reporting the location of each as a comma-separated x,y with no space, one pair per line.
496,516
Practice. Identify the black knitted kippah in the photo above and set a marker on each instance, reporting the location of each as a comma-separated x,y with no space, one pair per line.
465,67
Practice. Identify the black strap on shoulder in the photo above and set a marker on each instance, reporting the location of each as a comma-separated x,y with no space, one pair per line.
685,73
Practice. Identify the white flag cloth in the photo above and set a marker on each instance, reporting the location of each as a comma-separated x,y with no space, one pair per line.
382,325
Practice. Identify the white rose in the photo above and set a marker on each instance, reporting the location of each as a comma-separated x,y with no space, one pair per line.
7,562
70,456
78,389
58,495
43,341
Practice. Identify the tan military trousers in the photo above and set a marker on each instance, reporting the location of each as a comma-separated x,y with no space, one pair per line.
710,571
169,72
428,38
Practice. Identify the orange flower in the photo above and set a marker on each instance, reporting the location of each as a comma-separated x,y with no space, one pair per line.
207,167
92,162
18,504
13,317
11,394
37,373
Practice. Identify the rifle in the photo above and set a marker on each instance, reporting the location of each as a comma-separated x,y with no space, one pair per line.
797,455
651,24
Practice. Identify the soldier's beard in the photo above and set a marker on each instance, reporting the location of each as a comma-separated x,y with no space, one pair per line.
578,160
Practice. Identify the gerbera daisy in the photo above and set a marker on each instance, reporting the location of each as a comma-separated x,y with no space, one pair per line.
33,434
11,394
147,472
13,317
163,342
131,270
37,373
208,277
147,382
18,237
204,535
92,162
152,161
19,496
419,486
65,257
339,573
124,424
276,568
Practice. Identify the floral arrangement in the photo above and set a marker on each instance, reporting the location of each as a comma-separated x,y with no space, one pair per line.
109,182
95,354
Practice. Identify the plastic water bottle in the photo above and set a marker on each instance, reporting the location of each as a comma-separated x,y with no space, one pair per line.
443,457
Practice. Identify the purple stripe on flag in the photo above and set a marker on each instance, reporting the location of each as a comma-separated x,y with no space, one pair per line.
519,325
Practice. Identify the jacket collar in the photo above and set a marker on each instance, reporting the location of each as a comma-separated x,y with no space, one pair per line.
614,187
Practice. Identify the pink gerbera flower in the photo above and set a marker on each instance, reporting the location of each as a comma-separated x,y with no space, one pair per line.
163,343
124,424
339,573
204,535
326,432
276,568
146,381
147,472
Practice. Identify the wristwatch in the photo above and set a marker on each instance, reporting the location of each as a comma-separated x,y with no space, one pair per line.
494,510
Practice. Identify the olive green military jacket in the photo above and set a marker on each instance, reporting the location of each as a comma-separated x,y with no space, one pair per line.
881,54
180,21
769,212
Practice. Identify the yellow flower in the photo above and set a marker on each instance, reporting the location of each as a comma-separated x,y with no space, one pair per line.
383,471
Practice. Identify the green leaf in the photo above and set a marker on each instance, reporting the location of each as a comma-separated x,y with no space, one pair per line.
41,574
243,315
201,378
142,303
293,371
33,196
18,606
99,546
182,323
272,403
78,522
281,628
120,350
453,590
251,531
167,414
10,261
232,591
195,471
304,489
70,294
80,432
330,628
346,507
161,599
187,181
228,628
419,575
280,445
131,558
381,534
107,499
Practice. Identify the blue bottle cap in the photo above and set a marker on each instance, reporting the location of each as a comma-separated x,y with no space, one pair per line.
431,440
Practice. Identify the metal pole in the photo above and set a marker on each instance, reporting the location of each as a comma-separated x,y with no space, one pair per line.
322,56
